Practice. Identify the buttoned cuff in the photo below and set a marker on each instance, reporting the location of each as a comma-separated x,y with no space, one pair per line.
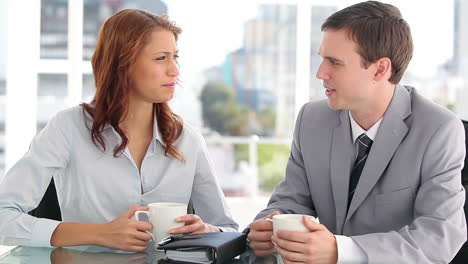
42,232
349,251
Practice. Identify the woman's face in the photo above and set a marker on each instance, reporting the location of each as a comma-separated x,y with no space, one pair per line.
153,76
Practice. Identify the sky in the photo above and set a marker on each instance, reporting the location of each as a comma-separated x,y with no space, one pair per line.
213,28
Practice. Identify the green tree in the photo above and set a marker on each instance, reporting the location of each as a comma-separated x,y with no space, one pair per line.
267,118
220,110
272,160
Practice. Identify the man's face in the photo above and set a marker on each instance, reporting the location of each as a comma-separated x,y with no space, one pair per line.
348,85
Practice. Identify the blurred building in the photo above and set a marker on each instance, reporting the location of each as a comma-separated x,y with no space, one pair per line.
460,56
263,70
318,15
54,23
3,73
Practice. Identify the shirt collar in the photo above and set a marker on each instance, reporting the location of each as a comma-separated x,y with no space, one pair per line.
356,129
156,134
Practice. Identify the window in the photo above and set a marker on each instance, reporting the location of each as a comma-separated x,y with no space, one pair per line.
240,82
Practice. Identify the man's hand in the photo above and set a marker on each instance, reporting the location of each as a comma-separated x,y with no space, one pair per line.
316,246
260,236
193,224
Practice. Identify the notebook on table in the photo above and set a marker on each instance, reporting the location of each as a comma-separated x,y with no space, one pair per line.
203,248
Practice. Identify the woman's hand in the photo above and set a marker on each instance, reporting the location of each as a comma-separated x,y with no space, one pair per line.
126,233
193,224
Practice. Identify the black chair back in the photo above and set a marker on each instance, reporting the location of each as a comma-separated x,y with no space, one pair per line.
49,206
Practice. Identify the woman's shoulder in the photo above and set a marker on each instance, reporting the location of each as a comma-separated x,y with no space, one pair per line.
69,117
190,138
191,132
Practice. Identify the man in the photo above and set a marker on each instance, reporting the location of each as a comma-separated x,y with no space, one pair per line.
379,165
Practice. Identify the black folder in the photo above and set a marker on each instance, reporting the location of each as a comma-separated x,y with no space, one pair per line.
218,247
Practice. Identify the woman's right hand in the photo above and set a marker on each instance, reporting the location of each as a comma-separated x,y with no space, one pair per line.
126,233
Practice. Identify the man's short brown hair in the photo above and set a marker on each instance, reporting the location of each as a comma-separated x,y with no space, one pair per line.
379,30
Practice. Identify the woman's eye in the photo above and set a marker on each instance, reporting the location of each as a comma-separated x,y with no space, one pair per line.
176,57
161,58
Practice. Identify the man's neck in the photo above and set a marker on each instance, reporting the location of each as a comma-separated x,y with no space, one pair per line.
373,112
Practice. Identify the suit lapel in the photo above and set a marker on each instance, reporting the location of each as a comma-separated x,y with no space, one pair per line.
340,167
391,132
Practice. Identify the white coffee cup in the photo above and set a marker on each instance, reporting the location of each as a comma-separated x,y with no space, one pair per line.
162,216
291,222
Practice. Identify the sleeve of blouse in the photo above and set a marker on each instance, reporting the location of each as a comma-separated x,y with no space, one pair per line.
24,185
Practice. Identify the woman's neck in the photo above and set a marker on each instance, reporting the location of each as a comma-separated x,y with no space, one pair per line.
139,119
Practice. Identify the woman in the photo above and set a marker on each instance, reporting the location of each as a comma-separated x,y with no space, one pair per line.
124,148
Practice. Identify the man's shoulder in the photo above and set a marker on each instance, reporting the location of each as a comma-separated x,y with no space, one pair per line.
319,109
428,113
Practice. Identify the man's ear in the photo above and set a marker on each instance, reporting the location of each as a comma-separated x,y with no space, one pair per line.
383,69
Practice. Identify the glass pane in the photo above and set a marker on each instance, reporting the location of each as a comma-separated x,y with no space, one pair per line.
88,87
2,85
460,58
318,15
52,94
2,136
3,72
250,89
52,85
54,29
95,13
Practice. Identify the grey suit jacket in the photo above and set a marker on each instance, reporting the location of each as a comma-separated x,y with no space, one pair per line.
408,204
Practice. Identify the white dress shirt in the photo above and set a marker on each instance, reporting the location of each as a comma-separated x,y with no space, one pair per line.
348,250
94,186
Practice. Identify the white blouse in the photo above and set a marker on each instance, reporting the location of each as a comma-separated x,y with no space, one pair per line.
94,186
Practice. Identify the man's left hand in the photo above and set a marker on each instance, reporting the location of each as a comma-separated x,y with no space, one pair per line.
316,246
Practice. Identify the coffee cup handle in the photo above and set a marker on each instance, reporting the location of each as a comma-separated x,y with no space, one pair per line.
270,220
145,219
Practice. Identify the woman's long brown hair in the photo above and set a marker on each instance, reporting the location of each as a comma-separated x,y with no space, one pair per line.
121,38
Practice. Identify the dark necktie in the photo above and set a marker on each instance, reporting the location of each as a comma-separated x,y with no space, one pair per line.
364,145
